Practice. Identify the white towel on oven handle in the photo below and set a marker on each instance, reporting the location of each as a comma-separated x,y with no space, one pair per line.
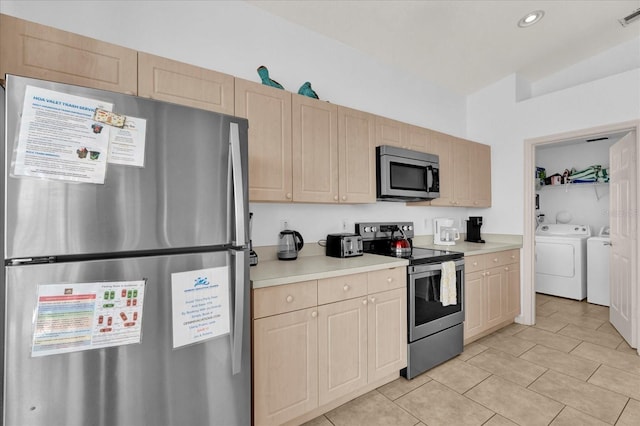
448,293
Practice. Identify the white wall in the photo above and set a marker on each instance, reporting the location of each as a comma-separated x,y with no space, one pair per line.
495,117
235,37
586,204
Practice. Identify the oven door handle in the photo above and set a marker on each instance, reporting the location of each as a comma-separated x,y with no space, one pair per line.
420,269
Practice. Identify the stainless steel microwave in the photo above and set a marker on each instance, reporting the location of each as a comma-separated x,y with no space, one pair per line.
406,175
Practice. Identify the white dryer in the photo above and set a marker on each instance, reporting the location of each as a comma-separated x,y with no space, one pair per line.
561,260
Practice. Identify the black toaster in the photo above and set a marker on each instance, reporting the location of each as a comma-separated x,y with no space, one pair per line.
344,245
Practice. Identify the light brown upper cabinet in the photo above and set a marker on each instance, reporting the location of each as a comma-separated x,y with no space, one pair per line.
333,153
418,138
315,150
172,81
403,135
356,156
480,175
465,171
269,112
390,132
38,51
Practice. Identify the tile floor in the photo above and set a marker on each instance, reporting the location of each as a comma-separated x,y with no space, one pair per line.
571,368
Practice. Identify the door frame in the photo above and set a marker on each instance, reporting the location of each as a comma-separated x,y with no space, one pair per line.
528,250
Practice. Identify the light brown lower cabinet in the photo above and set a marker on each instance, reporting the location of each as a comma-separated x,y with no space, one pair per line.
319,343
492,292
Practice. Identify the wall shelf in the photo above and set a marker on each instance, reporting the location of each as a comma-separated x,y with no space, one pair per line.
566,186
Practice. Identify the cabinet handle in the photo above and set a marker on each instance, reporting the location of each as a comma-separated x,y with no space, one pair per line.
506,268
289,299
495,259
513,256
344,198
346,287
487,274
314,314
288,195
373,300
475,263
389,280
364,302
335,198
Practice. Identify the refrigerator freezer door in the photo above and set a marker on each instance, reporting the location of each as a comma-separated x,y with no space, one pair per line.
182,197
137,384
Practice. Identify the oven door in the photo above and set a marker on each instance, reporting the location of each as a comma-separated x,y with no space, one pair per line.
427,315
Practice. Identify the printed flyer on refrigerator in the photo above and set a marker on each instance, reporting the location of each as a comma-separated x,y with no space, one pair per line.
60,139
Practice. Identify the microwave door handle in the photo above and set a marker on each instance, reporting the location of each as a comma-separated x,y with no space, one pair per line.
435,172
429,178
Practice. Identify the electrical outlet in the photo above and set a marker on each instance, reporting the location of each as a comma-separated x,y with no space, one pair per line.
284,224
345,225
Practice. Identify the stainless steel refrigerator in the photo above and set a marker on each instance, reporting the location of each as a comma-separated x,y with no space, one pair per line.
180,207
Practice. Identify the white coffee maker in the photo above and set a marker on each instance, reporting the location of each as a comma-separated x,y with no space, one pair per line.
444,233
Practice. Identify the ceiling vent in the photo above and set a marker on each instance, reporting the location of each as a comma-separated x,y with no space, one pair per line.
597,139
634,16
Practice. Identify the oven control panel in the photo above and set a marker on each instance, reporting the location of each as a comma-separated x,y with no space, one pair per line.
384,230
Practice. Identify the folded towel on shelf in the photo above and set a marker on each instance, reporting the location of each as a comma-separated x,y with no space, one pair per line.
448,292
595,173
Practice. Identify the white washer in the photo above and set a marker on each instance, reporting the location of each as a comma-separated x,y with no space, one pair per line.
598,250
561,260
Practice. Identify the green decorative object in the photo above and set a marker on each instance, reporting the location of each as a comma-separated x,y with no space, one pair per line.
306,90
263,72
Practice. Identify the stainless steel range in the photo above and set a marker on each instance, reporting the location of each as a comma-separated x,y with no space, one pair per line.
435,330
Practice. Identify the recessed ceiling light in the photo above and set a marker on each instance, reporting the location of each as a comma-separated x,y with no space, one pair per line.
530,18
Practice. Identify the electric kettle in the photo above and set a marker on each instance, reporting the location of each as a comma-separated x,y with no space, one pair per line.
289,244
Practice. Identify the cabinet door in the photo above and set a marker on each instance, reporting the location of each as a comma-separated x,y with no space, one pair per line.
418,138
342,356
315,150
474,302
285,366
462,161
38,51
512,299
172,81
356,156
387,346
495,279
269,112
480,175
390,132
441,144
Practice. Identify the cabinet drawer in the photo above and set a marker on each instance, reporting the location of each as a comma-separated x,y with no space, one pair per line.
387,279
502,258
474,263
341,288
510,256
284,298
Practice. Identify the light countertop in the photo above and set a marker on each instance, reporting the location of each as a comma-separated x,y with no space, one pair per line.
312,264
494,243
276,272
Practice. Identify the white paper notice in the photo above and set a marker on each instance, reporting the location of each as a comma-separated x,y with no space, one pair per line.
200,305
59,139
126,145
81,316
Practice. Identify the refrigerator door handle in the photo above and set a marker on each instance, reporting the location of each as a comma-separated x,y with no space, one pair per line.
240,238
238,311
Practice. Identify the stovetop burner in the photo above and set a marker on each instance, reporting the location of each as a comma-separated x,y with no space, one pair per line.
378,236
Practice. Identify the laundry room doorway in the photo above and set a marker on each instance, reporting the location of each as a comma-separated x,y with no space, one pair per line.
626,317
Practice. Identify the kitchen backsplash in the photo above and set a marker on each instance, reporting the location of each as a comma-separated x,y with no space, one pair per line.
315,221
